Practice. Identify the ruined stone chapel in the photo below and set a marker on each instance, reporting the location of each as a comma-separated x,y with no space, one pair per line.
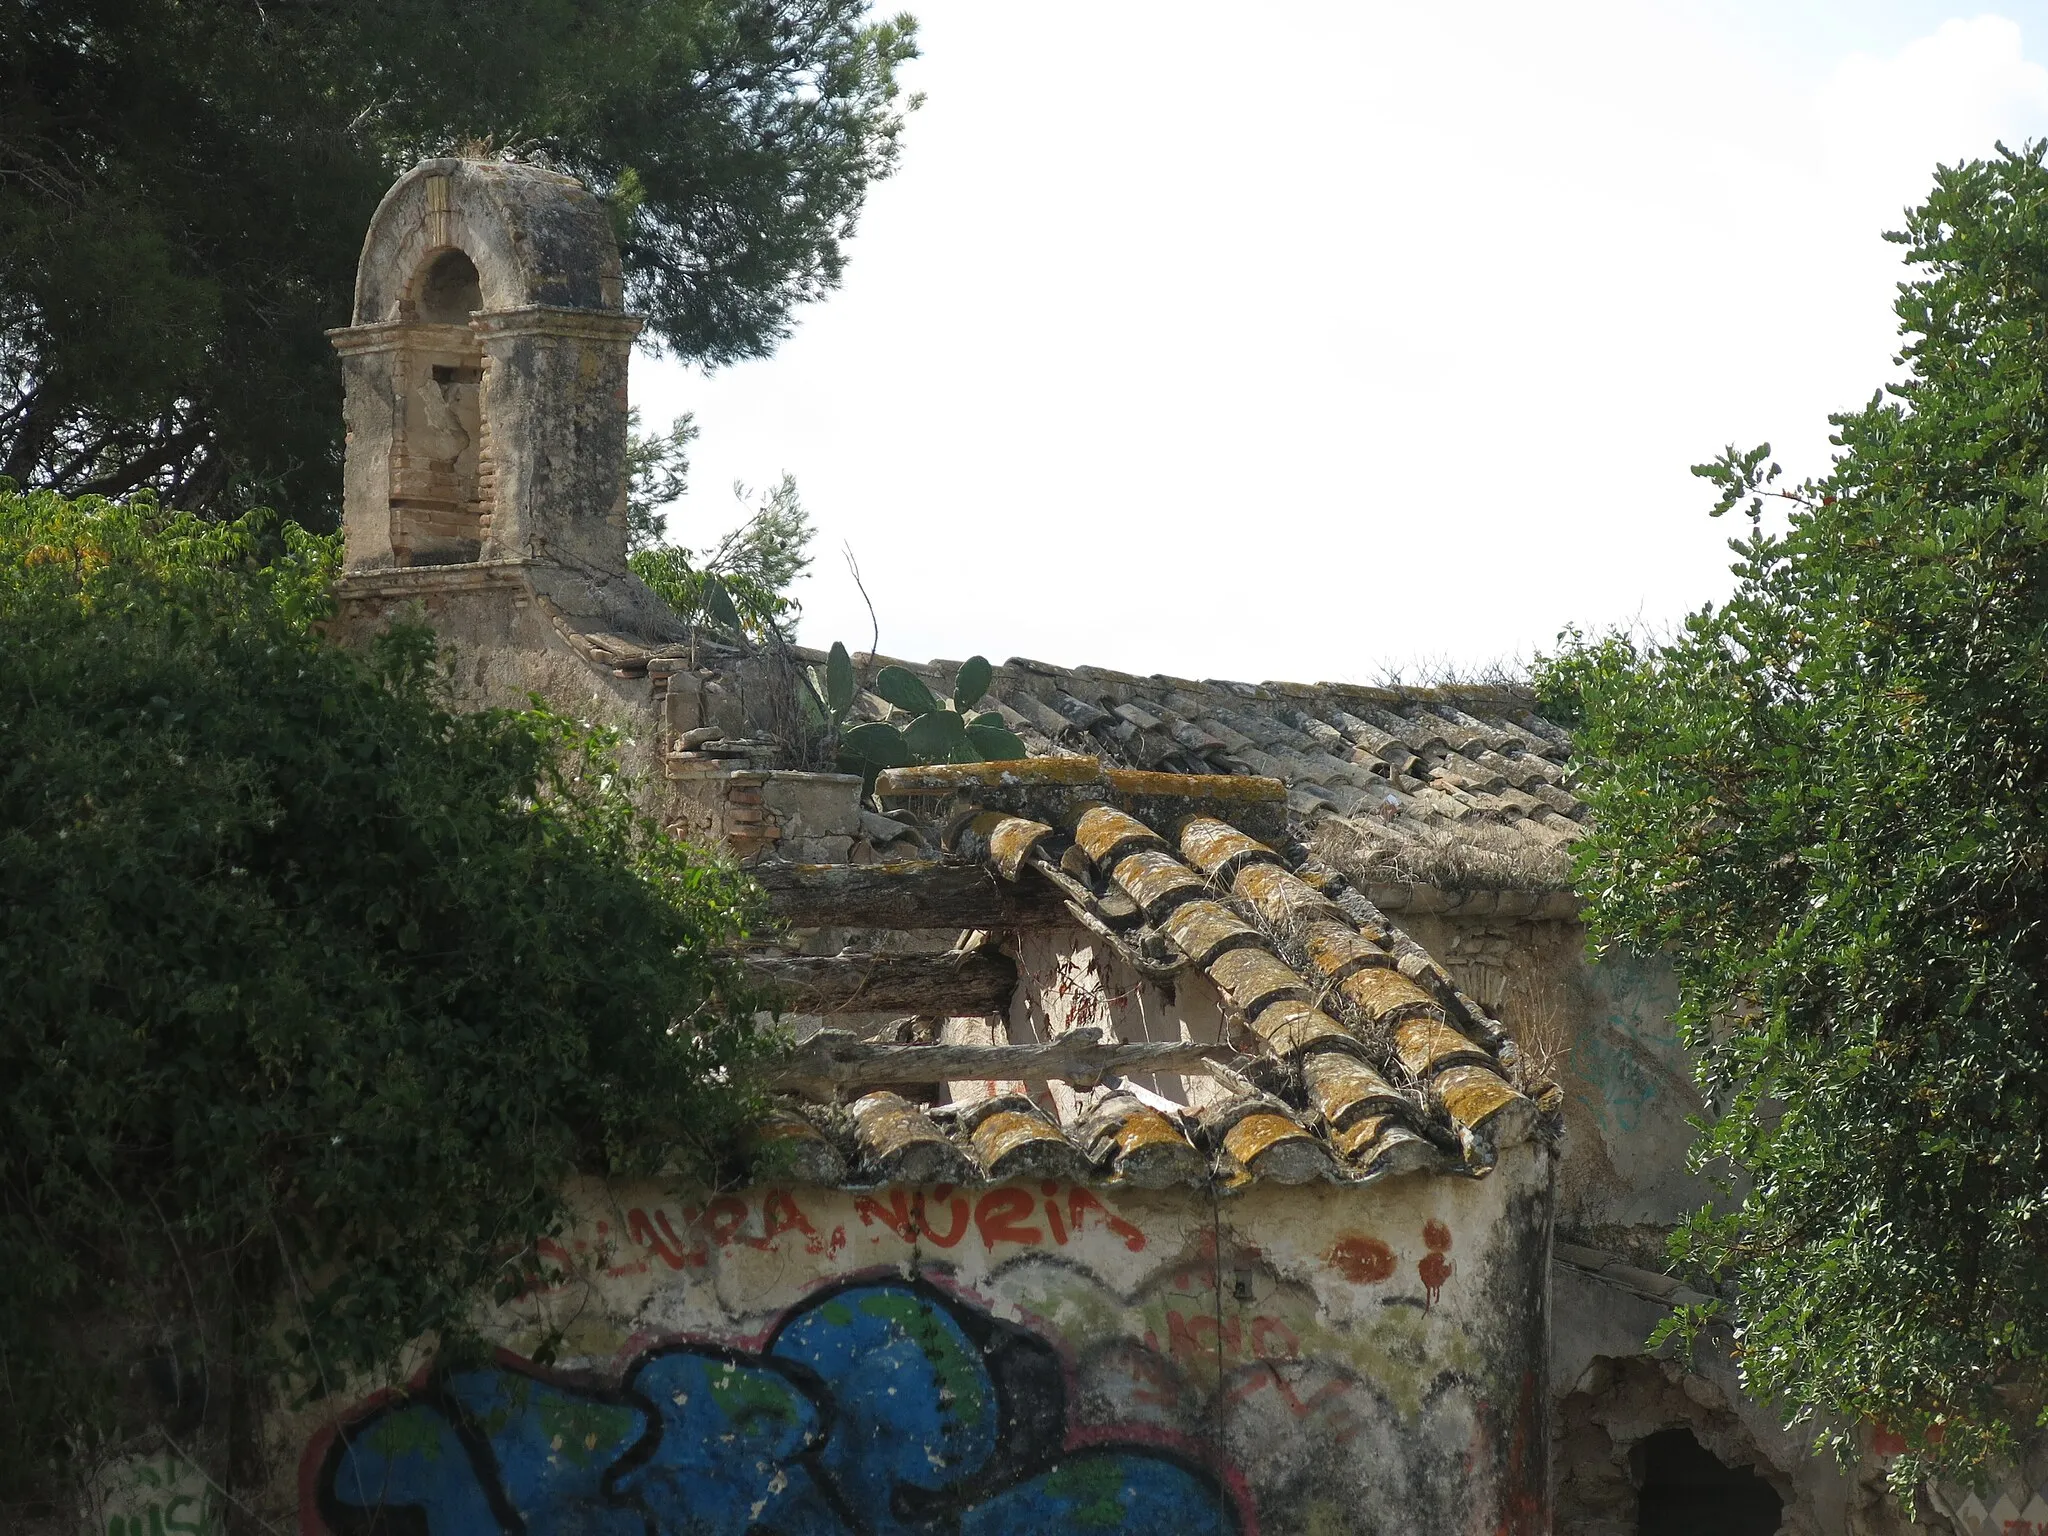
1207,1123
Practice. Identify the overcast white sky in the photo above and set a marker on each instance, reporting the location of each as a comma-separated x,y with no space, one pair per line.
1300,340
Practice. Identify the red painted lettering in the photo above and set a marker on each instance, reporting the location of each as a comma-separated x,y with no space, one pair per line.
1258,1381
1362,1260
1079,1200
696,1254
896,1217
1154,1382
956,1214
641,1230
1052,1219
999,1215
727,1214
1184,1335
1434,1269
780,1213
1273,1339
1303,1407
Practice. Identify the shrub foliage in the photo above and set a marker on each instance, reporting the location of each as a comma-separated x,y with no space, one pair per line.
315,990
1825,800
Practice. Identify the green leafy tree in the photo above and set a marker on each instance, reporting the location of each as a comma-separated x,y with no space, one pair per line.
657,475
1824,800
315,990
740,584
184,186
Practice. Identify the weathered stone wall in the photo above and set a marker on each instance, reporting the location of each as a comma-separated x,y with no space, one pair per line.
1029,1357
1604,1033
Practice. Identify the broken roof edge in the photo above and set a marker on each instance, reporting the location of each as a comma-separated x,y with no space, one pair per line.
1461,790
1507,694
1346,1049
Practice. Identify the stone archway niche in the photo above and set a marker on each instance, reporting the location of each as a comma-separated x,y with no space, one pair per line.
485,374
1607,1433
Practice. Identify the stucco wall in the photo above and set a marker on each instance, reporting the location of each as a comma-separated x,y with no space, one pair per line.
1028,1357
1611,1397
1603,1032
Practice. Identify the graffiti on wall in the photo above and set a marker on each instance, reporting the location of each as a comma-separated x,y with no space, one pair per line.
885,1407
161,1495
1631,1057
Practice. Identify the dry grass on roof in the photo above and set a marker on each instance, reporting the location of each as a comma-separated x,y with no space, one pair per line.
1425,674
1466,856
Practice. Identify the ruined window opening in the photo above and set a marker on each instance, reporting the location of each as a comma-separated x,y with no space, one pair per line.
1687,1491
450,291
440,464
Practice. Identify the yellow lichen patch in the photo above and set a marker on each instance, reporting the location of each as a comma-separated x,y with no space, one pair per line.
1273,1147
899,1139
1428,1046
1010,843
1336,950
1289,1026
781,1125
1479,1098
1377,991
1145,1128
945,778
1152,1154
1244,788
1385,1144
789,1141
1280,897
1205,929
1012,1136
1253,978
1359,1136
1157,881
1343,1088
1212,846
1103,832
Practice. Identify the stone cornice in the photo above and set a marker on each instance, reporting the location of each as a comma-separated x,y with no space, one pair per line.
552,320
394,335
533,320
418,580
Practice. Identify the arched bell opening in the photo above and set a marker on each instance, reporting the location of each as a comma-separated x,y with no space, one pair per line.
449,290
485,368
440,463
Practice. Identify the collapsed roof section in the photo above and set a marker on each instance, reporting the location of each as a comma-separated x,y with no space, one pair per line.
1450,787
1347,1052
1457,789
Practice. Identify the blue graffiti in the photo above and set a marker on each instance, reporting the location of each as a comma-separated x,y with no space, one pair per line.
875,1409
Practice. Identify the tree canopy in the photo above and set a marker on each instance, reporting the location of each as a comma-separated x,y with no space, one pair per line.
184,186
315,990
1824,800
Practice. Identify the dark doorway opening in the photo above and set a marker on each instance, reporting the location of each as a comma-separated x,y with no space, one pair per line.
1687,1491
